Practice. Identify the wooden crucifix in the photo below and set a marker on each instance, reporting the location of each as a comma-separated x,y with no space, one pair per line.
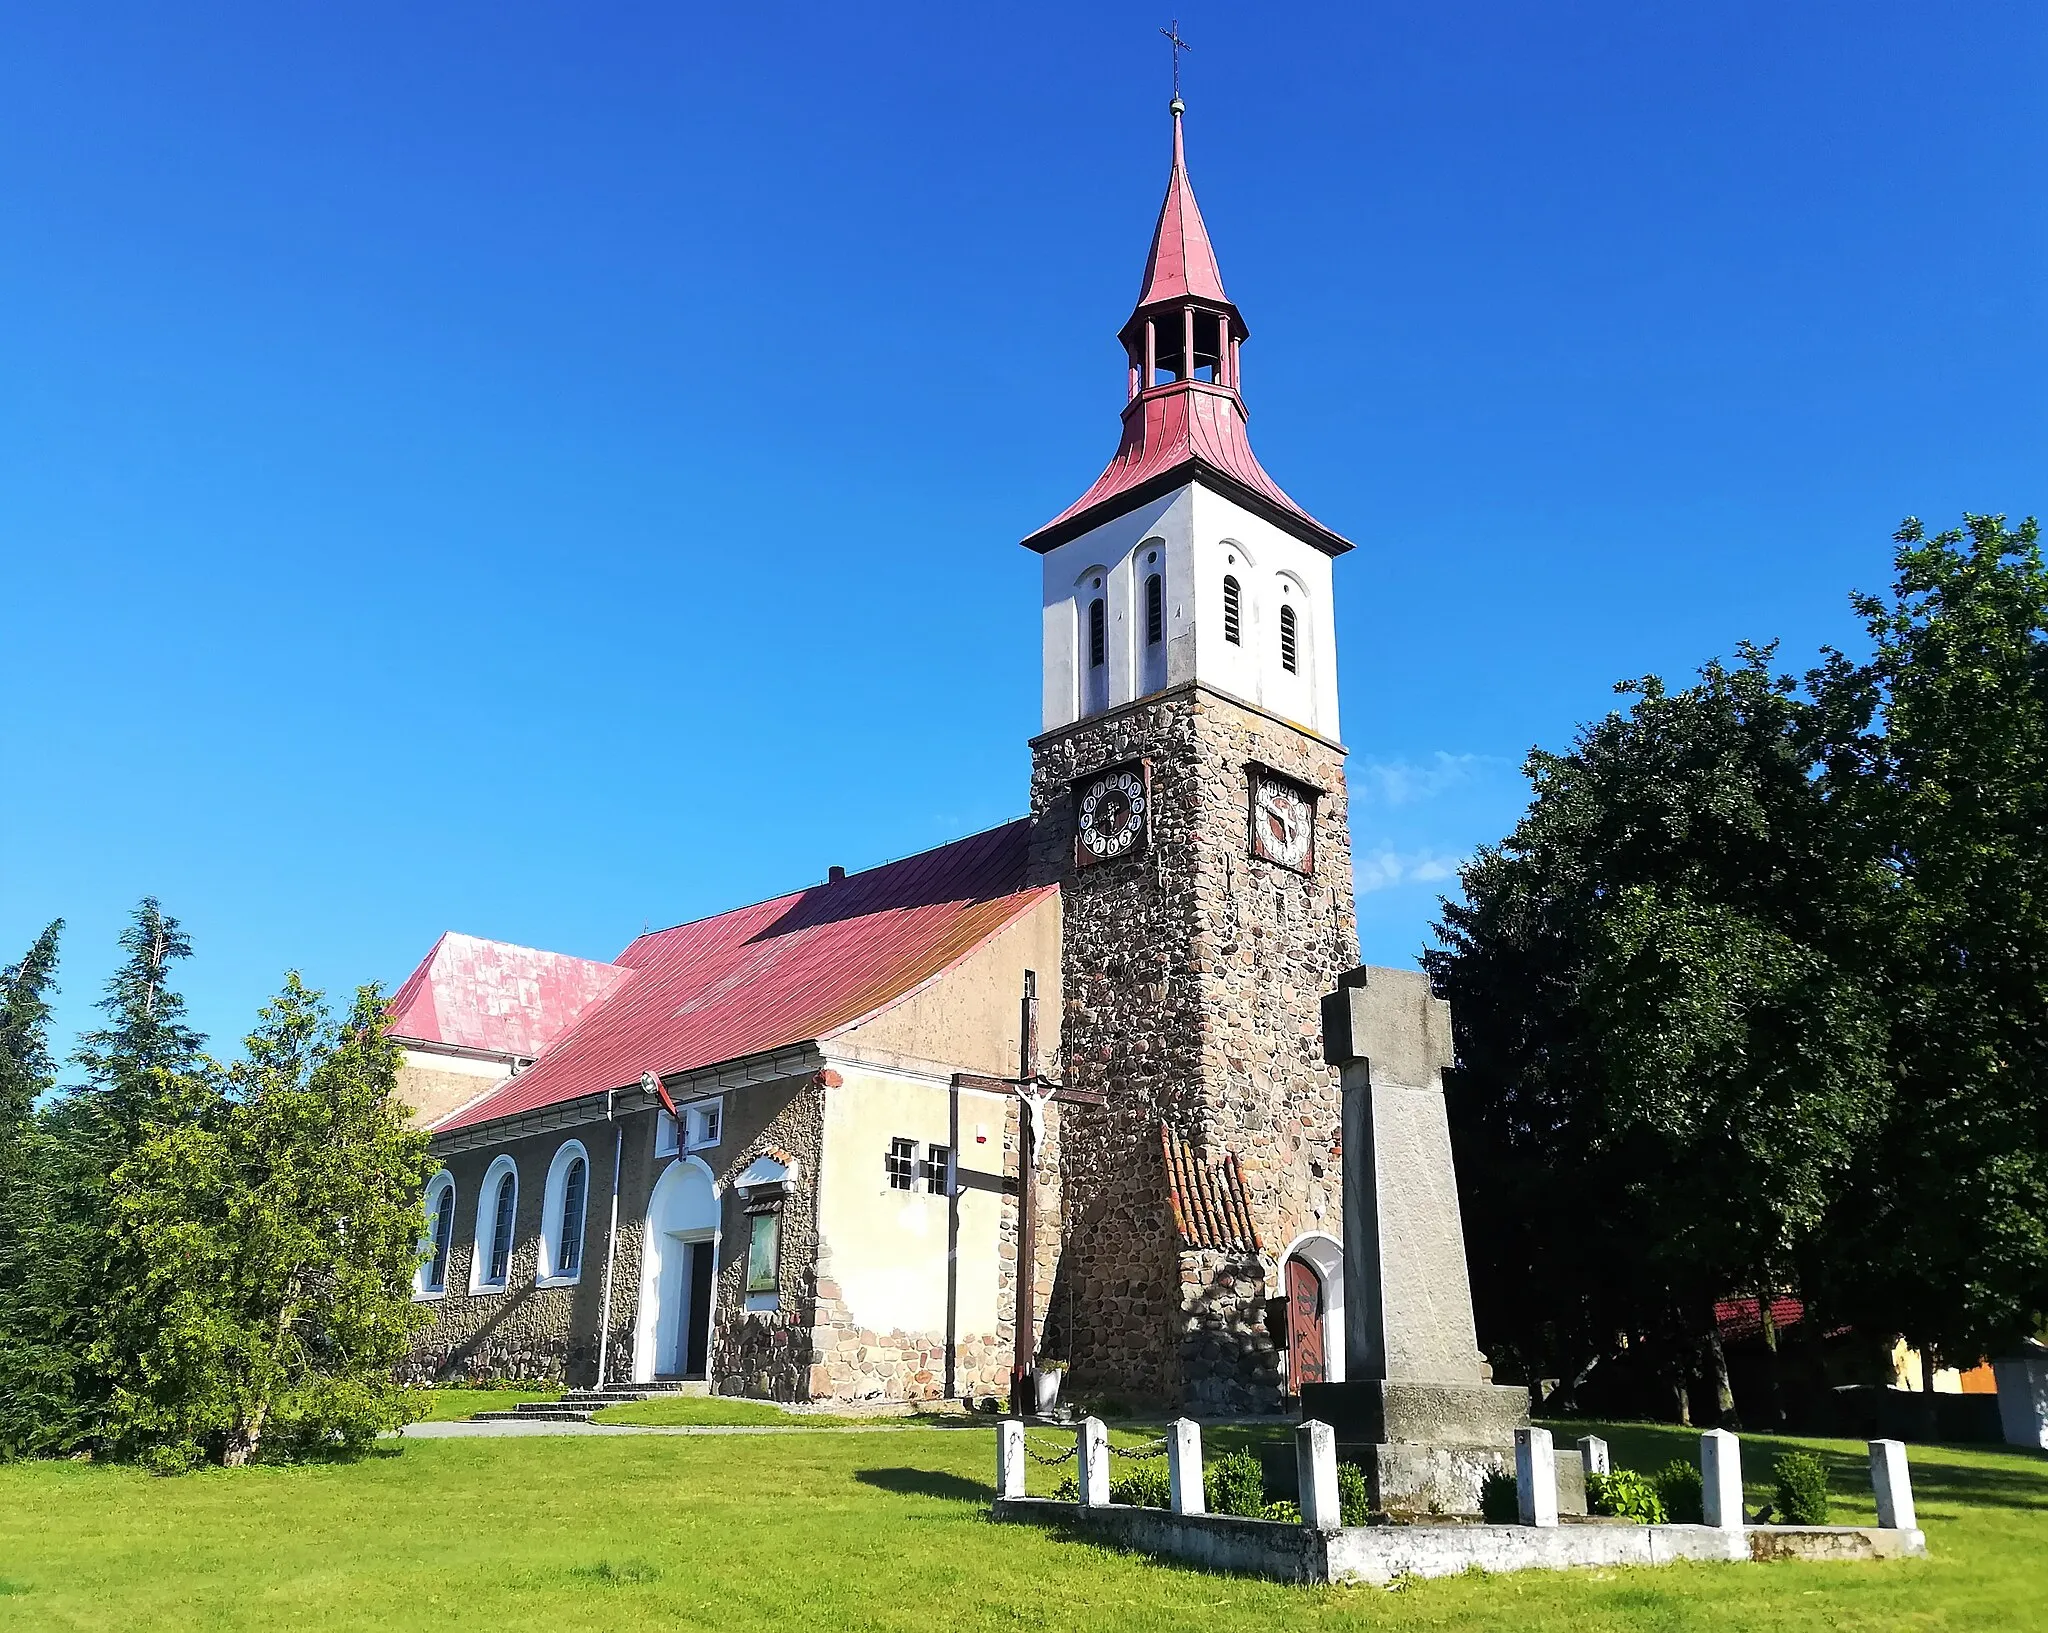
1032,1092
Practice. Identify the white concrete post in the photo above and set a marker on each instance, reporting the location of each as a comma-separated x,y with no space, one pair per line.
1315,1470
1535,1477
1721,1480
1892,1484
1091,1442
1184,1466
1010,1458
1593,1453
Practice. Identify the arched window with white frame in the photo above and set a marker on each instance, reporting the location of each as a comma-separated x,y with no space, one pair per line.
564,1206
497,1211
431,1279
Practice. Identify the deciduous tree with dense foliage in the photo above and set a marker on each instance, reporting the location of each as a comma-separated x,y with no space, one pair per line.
1938,749
277,1244
1668,1050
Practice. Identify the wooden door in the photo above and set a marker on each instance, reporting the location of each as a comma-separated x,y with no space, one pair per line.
1306,1362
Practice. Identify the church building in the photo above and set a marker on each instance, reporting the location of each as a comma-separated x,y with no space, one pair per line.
1052,1093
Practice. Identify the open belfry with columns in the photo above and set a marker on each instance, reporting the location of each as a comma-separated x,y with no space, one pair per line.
1053,1093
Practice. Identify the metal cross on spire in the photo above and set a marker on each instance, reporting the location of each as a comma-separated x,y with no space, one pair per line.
1172,33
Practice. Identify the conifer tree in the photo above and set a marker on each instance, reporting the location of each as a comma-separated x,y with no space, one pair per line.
144,1071
26,1069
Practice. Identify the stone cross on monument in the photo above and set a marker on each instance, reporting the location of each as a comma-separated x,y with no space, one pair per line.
1417,1409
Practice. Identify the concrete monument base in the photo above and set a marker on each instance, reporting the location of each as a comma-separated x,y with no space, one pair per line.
1385,1553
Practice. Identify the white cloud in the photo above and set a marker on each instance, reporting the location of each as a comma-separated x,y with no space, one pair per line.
1384,869
1408,782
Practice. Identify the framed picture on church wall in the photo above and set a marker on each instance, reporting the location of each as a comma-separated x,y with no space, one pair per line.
1283,817
1112,813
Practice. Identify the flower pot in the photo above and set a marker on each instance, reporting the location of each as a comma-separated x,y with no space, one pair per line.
1045,1388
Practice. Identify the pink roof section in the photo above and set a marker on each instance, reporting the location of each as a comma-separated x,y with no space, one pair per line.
782,972
1182,262
491,995
1166,431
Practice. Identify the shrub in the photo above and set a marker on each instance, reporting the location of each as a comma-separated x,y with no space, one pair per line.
1285,1512
1353,1503
1237,1485
1678,1486
1626,1495
1068,1490
1146,1486
1802,1497
1499,1503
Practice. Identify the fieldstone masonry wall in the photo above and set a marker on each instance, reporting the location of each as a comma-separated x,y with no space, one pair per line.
1192,975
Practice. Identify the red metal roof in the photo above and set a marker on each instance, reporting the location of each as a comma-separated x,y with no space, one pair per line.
1170,433
799,967
1182,262
491,995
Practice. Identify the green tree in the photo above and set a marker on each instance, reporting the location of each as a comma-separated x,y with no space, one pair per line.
276,1244
144,1069
1661,1010
26,1068
1938,743
27,1071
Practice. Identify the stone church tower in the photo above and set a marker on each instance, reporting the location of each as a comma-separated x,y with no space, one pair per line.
1188,798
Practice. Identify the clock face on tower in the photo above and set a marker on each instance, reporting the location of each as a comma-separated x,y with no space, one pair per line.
1110,815
1283,822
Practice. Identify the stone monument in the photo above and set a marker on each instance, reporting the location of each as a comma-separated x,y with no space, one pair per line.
1418,1409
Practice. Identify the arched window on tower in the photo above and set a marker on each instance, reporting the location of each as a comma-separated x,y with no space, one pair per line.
1098,633
1233,618
1289,658
1155,610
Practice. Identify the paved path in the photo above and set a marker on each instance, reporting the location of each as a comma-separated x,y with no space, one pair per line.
514,1427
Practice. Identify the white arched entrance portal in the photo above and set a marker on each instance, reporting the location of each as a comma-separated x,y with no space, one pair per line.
1325,1256
678,1259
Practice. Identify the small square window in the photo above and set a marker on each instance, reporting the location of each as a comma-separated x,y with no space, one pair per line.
901,1164
664,1135
706,1122
936,1170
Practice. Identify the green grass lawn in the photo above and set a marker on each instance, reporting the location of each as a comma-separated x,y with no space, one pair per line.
725,1410
869,1531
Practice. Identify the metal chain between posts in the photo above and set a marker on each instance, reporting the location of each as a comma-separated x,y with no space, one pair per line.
1152,1449
1073,1450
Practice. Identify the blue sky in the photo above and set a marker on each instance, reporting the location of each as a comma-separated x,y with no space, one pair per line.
542,471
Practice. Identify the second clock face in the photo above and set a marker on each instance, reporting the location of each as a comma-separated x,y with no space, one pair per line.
1283,824
1111,818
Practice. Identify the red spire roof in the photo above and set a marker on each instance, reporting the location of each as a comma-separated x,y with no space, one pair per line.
1188,427
1182,262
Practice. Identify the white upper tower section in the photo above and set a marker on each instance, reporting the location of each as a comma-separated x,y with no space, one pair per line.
1186,561
1209,554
